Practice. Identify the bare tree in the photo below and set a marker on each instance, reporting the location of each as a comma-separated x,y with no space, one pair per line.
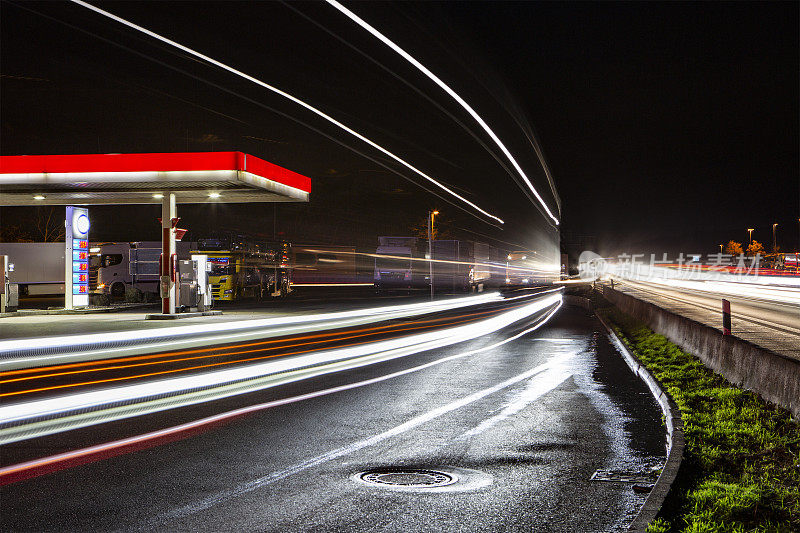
439,229
49,226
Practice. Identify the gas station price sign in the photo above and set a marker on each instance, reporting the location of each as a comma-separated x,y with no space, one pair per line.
76,258
80,266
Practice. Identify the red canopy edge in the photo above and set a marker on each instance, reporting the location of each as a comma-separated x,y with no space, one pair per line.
153,162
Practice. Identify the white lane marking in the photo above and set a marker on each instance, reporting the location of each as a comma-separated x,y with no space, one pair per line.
154,435
272,477
537,387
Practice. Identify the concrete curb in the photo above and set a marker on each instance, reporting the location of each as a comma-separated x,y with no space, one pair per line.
82,311
675,437
176,316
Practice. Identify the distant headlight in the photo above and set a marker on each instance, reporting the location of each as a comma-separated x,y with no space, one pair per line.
525,280
508,280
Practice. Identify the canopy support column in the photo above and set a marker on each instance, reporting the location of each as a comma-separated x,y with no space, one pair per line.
169,265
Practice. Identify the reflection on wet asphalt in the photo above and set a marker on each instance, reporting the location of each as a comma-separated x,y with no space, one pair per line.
526,424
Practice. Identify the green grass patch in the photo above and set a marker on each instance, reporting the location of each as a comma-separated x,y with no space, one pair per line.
741,466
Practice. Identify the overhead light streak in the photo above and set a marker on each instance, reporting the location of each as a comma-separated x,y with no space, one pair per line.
288,97
433,77
533,266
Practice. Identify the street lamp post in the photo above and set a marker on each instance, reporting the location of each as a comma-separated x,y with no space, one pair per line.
750,231
431,214
720,248
774,241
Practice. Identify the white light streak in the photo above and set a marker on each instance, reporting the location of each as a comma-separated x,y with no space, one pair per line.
288,97
535,266
47,416
155,435
228,331
769,288
358,20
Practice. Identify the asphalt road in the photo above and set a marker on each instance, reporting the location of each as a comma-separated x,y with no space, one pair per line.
522,426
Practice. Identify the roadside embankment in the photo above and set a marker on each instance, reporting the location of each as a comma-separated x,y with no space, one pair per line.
775,377
741,466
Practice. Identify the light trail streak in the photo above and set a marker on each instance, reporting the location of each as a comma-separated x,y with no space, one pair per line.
288,96
332,284
218,332
34,418
263,344
26,470
433,77
371,332
782,290
498,267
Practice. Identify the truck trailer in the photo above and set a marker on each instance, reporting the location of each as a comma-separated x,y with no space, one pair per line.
37,267
458,266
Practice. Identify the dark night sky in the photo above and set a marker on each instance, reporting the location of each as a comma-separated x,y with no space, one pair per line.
667,127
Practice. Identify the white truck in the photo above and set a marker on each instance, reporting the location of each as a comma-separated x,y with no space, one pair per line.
115,267
394,264
458,266
37,267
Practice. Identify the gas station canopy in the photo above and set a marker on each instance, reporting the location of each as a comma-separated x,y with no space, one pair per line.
193,177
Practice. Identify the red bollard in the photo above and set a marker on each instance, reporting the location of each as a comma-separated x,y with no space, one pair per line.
726,317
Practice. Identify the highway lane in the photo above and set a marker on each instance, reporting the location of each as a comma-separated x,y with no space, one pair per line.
776,314
533,416
773,324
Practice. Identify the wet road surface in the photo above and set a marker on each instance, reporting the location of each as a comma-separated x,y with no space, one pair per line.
522,426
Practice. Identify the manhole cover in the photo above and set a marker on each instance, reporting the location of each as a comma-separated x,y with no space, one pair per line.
407,478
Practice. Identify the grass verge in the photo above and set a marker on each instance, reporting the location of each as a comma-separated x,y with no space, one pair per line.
741,466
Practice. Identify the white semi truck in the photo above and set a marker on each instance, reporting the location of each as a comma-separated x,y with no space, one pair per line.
115,267
394,264
458,266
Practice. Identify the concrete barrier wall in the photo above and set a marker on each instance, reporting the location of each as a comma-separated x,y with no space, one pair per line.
774,377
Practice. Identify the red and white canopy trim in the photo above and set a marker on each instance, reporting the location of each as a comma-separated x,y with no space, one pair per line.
194,177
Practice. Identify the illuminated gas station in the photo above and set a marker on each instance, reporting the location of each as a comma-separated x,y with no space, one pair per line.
77,181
